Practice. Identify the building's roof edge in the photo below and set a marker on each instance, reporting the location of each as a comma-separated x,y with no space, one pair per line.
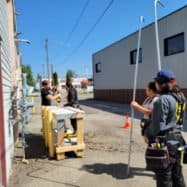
149,25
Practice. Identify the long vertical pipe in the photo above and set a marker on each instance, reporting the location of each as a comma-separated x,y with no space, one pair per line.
47,59
24,111
156,33
134,91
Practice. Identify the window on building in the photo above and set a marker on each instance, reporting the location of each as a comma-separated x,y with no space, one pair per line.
174,44
133,56
98,67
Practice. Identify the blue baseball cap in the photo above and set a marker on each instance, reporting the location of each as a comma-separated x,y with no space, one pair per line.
164,76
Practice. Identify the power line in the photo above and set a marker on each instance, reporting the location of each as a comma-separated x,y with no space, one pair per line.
90,31
77,22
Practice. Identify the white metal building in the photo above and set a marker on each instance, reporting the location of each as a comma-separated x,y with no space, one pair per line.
10,71
113,66
5,80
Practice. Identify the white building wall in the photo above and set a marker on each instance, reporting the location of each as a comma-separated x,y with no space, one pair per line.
13,52
117,73
6,79
174,24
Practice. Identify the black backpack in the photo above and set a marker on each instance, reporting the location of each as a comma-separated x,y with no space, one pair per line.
180,108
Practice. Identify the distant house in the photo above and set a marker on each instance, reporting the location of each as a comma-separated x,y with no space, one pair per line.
75,81
10,84
113,66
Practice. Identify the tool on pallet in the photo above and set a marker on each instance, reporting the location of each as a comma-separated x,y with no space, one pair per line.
134,91
183,154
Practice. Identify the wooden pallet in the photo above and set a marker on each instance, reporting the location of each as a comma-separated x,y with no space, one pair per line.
55,141
77,149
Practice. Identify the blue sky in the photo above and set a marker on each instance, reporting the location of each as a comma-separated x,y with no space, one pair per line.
54,19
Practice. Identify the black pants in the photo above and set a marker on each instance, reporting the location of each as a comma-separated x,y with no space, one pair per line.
170,177
73,121
74,124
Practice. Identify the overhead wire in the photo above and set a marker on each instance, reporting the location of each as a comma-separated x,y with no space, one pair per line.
77,22
75,25
90,31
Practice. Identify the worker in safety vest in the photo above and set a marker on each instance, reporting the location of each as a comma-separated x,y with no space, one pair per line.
162,155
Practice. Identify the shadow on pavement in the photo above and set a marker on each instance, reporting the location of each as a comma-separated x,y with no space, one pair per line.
116,108
118,170
35,146
35,176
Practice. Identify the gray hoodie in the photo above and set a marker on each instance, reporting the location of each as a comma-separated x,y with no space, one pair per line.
163,116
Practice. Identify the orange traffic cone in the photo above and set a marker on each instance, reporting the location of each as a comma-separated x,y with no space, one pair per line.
127,125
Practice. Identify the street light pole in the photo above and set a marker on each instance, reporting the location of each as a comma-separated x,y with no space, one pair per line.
156,32
47,58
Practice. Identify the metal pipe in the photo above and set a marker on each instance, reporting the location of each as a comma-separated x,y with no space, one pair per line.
134,91
15,121
22,40
24,111
24,106
156,32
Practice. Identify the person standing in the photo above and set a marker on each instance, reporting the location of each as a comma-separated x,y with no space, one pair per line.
160,133
72,100
46,94
72,96
147,106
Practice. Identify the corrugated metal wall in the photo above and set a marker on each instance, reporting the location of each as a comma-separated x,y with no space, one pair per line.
2,132
117,73
6,83
174,24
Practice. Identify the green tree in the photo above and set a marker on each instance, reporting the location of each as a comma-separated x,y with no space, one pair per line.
27,69
70,74
55,79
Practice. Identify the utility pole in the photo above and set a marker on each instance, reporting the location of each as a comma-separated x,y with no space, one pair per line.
43,70
47,59
52,78
86,72
52,69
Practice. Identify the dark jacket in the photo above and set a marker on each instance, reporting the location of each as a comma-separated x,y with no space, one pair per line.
72,98
44,94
